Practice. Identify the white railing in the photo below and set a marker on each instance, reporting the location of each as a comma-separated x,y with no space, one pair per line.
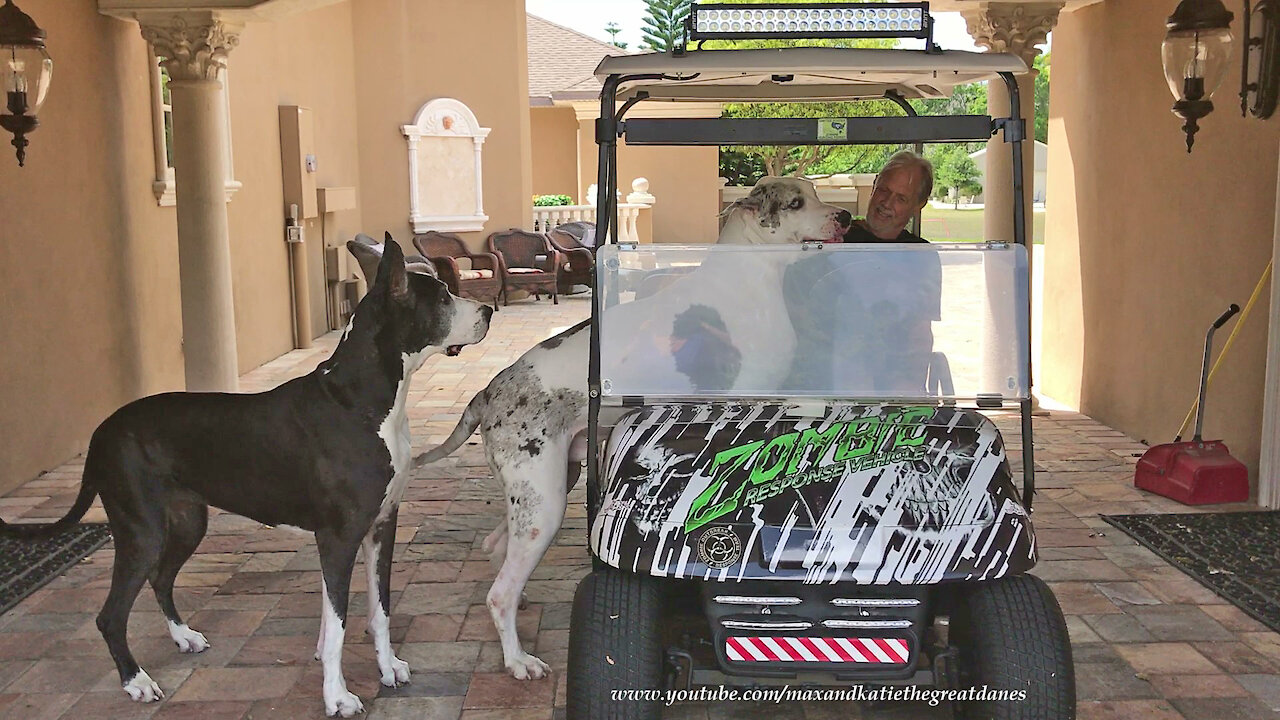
550,217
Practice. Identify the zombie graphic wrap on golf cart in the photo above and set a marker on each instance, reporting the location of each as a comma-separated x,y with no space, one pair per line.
873,494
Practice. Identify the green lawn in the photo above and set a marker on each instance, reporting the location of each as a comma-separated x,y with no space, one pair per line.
965,225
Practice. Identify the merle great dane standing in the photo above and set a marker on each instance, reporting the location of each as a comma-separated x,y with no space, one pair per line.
328,452
533,414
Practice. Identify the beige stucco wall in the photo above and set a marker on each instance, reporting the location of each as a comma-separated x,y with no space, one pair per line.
554,135
409,52
684,181
312,65
1145,244
91,317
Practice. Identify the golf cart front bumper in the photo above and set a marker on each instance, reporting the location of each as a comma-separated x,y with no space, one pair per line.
761,629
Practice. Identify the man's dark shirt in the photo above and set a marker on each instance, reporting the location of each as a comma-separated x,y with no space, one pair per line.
858,233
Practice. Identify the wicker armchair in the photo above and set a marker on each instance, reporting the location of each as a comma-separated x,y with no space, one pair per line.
528,262
580,261
471,275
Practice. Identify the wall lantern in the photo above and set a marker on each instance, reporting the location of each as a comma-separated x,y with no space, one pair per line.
25,70
1196,49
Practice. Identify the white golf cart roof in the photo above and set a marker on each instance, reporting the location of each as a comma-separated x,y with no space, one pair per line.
816,73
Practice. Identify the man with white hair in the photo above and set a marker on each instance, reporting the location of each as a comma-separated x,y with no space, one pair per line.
900,191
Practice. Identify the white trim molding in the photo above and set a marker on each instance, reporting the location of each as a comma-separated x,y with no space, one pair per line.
443,119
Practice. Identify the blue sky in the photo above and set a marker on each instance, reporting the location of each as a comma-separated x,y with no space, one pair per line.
590,17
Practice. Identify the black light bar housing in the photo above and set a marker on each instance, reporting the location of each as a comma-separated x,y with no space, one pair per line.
808,20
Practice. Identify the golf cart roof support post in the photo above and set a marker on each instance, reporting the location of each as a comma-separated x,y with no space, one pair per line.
901,102
1015,132
607,139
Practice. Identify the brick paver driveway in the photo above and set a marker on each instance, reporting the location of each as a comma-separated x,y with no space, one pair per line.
1149,642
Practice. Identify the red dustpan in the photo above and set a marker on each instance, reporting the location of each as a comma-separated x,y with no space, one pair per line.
1200,472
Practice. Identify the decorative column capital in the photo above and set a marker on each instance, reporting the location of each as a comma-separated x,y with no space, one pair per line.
193,46
1012,27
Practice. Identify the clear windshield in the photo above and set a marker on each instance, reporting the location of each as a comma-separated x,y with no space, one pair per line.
909,322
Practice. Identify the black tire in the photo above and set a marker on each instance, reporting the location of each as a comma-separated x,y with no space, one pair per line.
1012,636
614,644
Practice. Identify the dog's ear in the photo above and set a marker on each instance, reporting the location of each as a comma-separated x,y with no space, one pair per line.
368,253
391,272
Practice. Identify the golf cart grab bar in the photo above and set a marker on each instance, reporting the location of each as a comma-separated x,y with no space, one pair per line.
808,131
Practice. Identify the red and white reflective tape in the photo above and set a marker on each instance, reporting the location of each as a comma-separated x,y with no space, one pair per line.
893,651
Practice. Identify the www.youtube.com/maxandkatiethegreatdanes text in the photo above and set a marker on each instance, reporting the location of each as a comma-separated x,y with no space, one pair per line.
786,693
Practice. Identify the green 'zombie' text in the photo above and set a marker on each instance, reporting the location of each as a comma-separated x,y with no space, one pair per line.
773,466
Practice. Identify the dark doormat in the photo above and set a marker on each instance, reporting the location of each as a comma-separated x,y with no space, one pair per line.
1236,555
26,564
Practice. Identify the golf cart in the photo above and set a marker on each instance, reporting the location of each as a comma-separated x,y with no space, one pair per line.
790,482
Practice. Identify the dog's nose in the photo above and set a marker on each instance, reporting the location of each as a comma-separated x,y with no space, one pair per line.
844,218
487,311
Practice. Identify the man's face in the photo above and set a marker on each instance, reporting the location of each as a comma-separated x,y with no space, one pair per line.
894,200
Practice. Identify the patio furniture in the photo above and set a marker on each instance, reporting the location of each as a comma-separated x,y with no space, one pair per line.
470,275
584,232
527,261
580,260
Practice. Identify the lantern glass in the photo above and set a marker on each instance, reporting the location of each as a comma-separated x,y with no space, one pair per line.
1195,61
24,76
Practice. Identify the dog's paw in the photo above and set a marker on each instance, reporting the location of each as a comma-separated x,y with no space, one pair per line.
188,640
399,674
343,704
528,667
524,602
142,688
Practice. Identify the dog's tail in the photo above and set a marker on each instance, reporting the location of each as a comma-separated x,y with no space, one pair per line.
467,425
88,491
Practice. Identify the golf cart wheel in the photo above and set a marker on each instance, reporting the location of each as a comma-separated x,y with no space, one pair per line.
614,644
1012,636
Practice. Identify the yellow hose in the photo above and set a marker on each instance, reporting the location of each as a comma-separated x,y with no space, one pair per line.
1257,291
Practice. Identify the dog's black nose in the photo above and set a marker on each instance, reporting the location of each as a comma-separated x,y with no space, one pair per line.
844,218
487,310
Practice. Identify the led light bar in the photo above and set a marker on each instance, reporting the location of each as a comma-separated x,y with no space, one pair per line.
729,21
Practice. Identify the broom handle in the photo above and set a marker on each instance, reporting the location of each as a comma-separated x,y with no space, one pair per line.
1257,291
1204,366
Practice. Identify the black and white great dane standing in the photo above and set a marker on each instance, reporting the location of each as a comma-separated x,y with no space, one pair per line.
533,414
328,452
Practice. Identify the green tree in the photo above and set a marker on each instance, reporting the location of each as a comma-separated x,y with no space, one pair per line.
613,30
664,23
954,172
1041,64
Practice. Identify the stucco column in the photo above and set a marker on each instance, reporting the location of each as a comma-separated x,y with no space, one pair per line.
193,48
1013,28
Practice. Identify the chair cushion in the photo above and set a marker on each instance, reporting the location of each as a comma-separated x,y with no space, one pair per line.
523,270
464,263
474,274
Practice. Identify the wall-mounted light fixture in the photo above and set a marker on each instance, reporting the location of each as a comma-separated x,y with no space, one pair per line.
1260,76
1197,47
25,71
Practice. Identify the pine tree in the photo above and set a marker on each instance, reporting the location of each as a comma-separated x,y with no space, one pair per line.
664,23
613,30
